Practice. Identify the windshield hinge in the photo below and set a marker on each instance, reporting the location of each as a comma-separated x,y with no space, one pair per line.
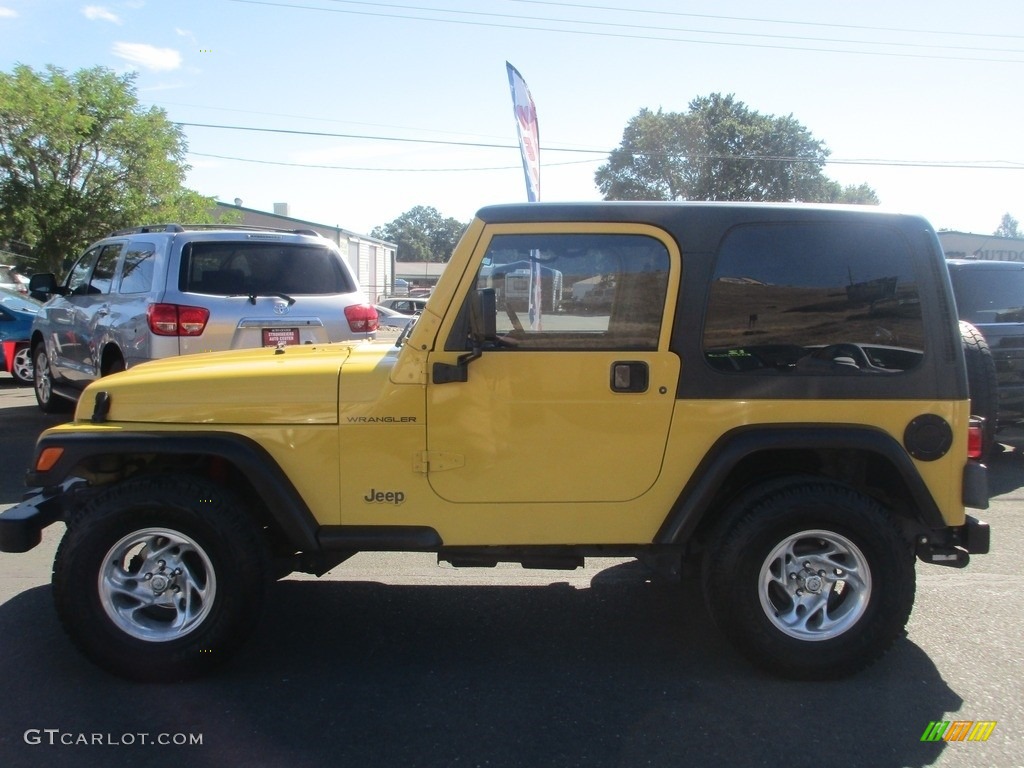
436,461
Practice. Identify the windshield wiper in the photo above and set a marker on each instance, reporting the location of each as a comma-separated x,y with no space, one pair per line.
285,296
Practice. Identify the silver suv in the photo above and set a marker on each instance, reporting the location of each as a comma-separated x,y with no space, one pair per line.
158,291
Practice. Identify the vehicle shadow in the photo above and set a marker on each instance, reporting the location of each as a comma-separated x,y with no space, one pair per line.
1005,471
22,423
628,672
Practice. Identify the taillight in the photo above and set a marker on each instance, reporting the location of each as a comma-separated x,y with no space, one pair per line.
975,437
362,318
177,320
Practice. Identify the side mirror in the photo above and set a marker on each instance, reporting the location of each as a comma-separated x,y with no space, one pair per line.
483,327
44,283
43,286
483,313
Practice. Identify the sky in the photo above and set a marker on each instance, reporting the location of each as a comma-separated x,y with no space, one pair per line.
411,105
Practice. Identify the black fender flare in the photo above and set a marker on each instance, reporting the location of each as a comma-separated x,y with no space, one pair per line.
283,502
731,448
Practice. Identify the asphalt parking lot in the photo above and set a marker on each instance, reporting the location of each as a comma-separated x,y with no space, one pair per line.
391,660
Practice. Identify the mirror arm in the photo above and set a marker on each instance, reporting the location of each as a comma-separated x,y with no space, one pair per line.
446,373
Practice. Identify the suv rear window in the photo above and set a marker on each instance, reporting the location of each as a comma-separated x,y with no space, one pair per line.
989,295
815,298
241,269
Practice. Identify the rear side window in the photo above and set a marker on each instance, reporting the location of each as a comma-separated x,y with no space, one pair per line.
814,298
248,268
137,272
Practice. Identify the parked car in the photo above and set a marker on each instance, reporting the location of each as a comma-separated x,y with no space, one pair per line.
12,280
17,311
390,318
407,305
990,297
159,291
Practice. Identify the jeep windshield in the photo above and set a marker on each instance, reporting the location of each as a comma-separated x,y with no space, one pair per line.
261,269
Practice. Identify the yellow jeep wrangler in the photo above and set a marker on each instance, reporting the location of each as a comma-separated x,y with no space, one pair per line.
774,395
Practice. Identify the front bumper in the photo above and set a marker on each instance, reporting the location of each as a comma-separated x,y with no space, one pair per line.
21,526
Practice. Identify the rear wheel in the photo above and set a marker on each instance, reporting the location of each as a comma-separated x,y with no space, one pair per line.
42,380
114,365
21,367
809,579
161,578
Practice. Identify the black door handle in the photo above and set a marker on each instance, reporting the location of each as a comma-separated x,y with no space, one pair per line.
630,376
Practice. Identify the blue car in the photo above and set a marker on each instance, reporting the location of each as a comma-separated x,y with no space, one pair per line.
16,313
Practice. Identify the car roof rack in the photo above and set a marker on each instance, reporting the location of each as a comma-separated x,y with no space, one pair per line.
149,228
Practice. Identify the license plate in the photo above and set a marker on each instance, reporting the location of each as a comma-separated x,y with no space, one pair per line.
275,337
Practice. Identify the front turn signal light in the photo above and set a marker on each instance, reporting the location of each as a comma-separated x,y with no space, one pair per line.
47,458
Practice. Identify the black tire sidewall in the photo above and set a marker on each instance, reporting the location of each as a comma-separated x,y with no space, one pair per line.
238,565
982,382
732,580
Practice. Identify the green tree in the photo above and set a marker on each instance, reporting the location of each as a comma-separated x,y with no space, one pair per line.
422,234
79,157
851,194
1008,227
721,150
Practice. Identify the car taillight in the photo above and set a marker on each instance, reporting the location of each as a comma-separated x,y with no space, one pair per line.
362,318
975,437
177,320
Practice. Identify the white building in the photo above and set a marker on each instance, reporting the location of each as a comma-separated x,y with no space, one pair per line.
964,245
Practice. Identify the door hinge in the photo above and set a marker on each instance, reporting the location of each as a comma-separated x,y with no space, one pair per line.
436,461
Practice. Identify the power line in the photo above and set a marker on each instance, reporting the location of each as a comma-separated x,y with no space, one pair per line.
661,28
994,165
474,144
162,104
623,35
518,166
771,21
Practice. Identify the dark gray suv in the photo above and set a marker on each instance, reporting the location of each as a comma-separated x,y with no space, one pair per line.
157,291
990,296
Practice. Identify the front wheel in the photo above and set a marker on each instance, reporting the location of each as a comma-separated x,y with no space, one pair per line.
810,580
161,578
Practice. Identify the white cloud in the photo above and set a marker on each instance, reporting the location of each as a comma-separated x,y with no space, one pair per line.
148,56
187,34
99,13
8,13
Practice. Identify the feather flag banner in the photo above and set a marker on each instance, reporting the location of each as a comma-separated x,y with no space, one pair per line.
529,147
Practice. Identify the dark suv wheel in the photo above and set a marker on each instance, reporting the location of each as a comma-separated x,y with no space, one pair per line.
981,383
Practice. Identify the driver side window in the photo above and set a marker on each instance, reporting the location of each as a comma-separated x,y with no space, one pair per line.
577,291
78,278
